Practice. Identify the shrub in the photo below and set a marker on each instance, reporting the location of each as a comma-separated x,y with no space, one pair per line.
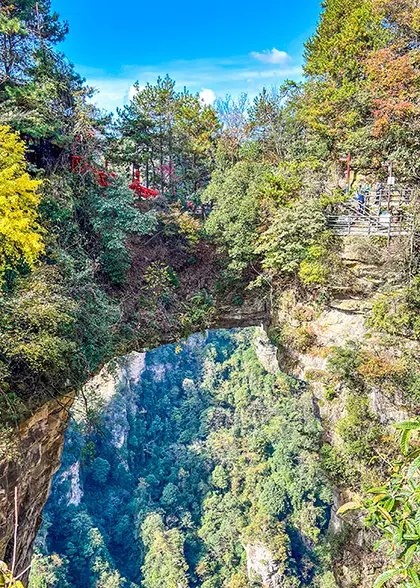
344,363
285,244
160,279
398,313
359,429
198,313
115,218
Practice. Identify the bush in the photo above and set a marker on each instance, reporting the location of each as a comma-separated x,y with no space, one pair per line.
359,429
398,313
344,363
198,313
115,219
292,232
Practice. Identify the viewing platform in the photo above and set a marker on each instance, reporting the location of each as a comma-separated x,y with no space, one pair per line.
383,211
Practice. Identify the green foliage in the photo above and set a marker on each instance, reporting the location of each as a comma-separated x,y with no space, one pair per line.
100,470
272,122
290,237
344,363
398,313
234,219
221,454
160,280
115,220
219,478
335,465
171,136
393,509
49,571
164,563
36,329
361,89
206,453
359,429
23,48
198,313
321,265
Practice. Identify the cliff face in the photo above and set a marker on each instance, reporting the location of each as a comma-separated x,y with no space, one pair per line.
262,566
37,458
341,322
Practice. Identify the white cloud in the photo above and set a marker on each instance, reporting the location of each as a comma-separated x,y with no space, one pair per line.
271,56
111,92
132,92
208,77
207,96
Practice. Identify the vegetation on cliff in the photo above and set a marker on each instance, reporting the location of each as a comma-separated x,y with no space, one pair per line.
205,457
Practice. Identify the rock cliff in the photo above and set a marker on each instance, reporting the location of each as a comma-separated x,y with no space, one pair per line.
36,458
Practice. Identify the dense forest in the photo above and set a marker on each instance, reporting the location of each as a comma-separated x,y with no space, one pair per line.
123,232
206,454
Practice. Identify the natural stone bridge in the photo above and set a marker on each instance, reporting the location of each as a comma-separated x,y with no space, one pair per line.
39,446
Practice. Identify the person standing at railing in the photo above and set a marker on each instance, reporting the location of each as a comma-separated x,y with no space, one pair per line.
360,197
378,193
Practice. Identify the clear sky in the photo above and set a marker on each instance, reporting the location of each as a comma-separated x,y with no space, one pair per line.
216,47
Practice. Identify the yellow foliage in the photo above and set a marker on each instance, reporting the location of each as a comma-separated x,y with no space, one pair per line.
20,233
6,578
187,225
238,581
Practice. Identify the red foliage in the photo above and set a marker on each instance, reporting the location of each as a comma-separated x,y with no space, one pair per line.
104,178
392,80
140,190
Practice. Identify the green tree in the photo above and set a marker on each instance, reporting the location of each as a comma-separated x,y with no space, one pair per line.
234,220
100,470
49,571
164,564
115,220
287,241
28,31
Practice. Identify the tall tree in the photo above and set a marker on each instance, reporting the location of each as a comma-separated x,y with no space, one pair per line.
28,32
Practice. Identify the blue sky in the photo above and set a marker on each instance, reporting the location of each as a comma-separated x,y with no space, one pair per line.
214,48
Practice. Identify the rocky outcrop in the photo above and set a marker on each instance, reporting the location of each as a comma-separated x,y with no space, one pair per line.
266,352
72,474
29,474
31,466
262,566
341,321
253,312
